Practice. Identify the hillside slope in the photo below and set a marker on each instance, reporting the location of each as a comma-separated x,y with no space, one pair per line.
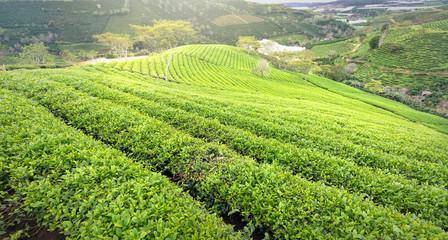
410,58
415,57
290,158
227,68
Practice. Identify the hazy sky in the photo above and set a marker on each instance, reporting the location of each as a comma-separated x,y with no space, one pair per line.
288,1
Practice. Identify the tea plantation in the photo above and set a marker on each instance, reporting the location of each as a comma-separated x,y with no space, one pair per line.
113,151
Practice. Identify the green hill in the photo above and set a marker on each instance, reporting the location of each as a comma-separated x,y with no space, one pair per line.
412,57
289,158
215,66
216,21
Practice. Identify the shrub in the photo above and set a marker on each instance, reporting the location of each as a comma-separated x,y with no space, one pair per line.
374,42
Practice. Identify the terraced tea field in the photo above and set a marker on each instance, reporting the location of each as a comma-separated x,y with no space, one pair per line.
412,57
421,53
119,151
442,24
339,48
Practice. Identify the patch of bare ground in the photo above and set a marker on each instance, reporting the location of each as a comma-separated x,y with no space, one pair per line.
17,223
356,47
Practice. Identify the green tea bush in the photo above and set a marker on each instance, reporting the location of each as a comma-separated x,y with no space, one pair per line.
87,190
268,196
308,162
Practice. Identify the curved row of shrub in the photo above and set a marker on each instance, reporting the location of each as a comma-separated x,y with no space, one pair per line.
432,121
86,190
198,73
309,163
332,130
442,24
338,48
188,66
226,56
272,127
268,196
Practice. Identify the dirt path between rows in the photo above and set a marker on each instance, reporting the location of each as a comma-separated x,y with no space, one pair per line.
240,18
357,47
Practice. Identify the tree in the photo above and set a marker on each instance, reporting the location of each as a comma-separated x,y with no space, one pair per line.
338,72
351,68
262,67
384,27
283,58
4,50
267,47
119,44
332,54
362,36
69,56
374,85
324,70
303,66
36,53
307,54
374,42
248,44
165,35
393,48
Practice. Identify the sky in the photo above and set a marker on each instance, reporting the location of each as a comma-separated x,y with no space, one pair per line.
288,1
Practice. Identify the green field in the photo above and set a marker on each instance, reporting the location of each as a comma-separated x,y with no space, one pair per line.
413,57
339,48
292,159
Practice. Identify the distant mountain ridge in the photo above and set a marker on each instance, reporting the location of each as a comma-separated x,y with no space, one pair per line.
344,2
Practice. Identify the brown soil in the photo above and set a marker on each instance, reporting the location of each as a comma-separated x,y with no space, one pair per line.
236,220
34,232
29,226
357,47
